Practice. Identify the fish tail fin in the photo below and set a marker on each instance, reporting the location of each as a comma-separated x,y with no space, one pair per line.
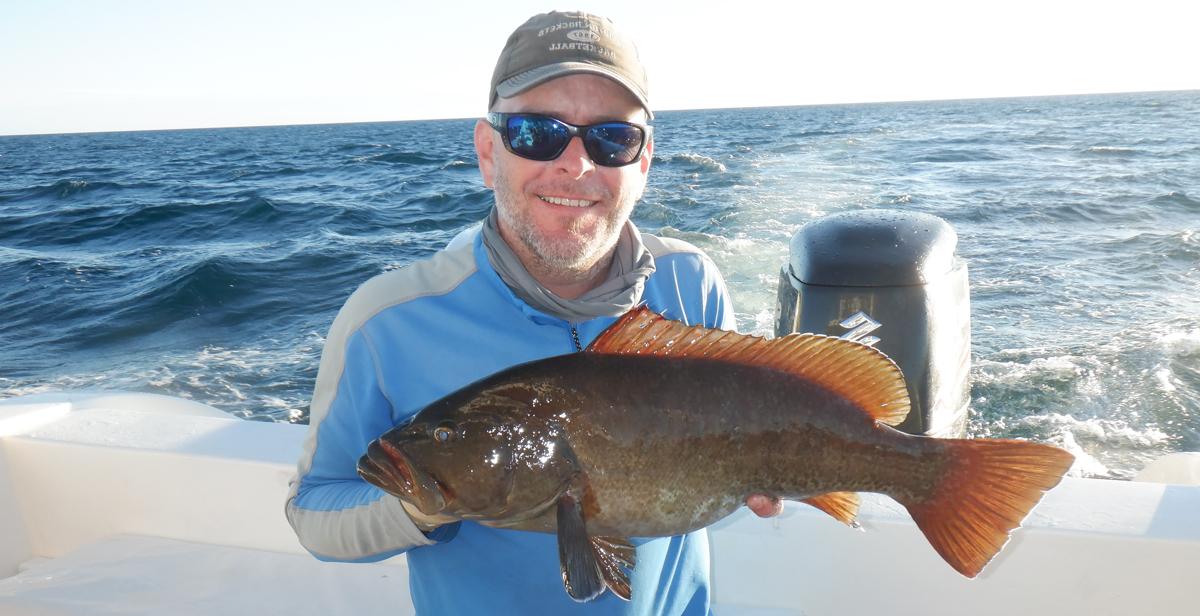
989,488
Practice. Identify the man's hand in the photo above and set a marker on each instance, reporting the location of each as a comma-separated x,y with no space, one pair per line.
764,506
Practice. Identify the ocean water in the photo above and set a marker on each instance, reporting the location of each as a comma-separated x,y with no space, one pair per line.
209,264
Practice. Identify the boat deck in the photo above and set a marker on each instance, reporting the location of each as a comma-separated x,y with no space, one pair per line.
131,574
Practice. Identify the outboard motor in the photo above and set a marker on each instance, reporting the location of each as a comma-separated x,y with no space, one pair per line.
891,280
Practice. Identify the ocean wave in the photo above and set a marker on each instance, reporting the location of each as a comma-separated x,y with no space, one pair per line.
234,153
128,224
998,286
173,295
692,162
1104,150
266,379
81,171
958,156
694,237
718,246
1130,397
1015,368
1176,198
788,147
245,291
460,165
1094,441
1103,448
1182,247
363,148
816,132
63,226
269,172
1181,343
398,158
430,210
1110,432
66,188
154,216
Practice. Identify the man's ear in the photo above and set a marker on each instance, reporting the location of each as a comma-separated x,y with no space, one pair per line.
485,141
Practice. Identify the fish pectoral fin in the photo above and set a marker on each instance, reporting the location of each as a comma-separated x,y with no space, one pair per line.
581,572
843,506
615,555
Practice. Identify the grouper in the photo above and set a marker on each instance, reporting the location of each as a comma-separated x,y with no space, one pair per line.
659,429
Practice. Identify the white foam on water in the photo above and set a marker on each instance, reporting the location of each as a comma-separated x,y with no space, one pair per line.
1127,401
255,381
1085,464
1022,370
1103,149
1110,448
1166,380
1180,343
1112,432
707,163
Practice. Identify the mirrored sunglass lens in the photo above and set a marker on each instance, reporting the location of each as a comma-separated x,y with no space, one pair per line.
614,144
536,138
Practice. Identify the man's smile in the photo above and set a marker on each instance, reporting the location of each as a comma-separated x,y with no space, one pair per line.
567,202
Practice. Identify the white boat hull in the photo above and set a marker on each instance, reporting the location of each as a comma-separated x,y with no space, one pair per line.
116,502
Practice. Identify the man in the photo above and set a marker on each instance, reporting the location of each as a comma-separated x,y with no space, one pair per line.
566,149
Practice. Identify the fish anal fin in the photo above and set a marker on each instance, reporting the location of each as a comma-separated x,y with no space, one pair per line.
843,506
616,556
582,574
989,487
859,373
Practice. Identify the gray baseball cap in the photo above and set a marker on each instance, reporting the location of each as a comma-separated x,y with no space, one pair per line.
555,44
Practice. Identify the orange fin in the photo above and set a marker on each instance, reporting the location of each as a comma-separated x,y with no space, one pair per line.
989,487
854,371
616,557
843,506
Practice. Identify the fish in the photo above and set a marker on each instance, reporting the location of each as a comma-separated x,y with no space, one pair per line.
659,428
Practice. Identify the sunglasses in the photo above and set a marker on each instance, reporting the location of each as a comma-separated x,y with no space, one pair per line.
539,137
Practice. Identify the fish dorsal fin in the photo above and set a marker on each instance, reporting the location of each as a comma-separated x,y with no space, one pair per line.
857,372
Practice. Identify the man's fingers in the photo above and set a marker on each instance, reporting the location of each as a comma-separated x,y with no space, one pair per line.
764,506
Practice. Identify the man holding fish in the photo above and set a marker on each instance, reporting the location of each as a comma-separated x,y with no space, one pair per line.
533,442
566,148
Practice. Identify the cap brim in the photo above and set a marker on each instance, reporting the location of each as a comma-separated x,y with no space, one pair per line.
519,83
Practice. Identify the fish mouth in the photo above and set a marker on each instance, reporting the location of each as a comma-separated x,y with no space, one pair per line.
390,474
385,465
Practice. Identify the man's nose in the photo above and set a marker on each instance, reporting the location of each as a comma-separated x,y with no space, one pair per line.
575,161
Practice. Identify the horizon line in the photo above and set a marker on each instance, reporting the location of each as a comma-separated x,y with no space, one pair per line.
658,111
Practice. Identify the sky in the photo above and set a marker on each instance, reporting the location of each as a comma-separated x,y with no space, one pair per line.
111,65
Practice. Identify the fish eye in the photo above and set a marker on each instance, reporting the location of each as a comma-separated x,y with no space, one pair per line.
444,432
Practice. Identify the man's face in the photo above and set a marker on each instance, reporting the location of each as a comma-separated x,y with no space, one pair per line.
562,217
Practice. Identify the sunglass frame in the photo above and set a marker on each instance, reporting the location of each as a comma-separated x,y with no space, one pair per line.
499,122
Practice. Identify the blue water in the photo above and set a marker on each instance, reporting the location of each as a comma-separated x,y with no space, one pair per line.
209,263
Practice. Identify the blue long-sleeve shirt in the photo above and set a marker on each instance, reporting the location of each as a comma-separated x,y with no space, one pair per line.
409,337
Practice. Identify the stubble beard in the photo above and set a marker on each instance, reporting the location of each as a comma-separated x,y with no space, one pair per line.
578,256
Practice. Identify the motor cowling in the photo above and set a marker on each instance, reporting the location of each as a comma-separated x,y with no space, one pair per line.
892,280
